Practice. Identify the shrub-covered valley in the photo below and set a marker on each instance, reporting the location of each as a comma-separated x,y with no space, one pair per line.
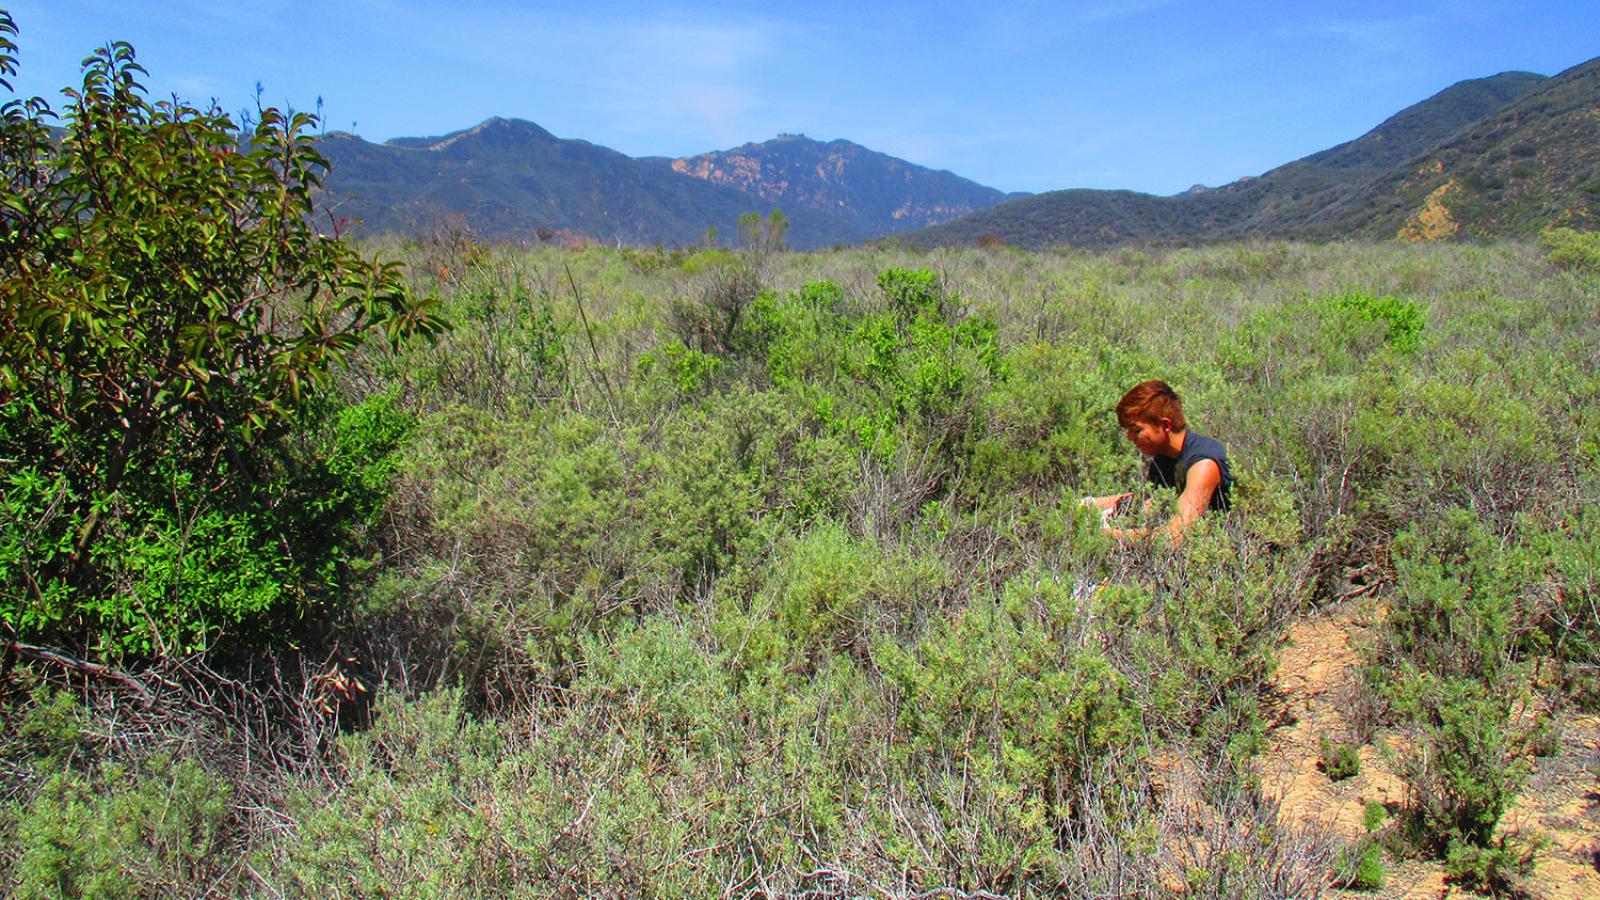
488,571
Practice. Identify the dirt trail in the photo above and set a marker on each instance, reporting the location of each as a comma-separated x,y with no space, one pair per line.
1316,688
1316,684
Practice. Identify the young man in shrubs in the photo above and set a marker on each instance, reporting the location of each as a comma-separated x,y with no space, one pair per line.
1194,465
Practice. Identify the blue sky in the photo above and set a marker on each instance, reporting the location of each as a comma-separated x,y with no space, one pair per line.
1151,95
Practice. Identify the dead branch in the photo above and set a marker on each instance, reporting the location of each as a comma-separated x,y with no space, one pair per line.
56,657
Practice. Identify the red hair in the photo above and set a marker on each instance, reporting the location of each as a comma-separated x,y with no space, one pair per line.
1151,401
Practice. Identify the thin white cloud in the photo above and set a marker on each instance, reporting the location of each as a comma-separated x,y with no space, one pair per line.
702,46
689,75
1374,35
715,111
666,72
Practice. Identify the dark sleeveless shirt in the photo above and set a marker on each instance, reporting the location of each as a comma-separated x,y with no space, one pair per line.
1167,471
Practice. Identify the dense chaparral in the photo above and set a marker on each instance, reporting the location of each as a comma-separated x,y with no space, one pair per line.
440,568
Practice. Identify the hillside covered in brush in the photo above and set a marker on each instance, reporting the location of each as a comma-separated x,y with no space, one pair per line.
1506,155
1509,154
1527,166
877,192
509,179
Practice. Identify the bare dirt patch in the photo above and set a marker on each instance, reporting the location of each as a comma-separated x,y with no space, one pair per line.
1561,803
1316,692
1316,685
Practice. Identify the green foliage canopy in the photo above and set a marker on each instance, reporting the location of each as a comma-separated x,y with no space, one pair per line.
169,315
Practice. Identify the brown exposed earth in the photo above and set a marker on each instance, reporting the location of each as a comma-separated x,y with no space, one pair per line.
1317,696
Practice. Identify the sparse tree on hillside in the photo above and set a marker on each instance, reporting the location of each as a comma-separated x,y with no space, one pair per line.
763,236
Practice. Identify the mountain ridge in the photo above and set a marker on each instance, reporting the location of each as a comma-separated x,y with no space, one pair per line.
512,179
1378,185
1504,154
883,193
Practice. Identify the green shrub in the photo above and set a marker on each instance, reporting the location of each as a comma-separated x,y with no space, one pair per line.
1008,691
1360,866
1265,509
416,810
557,492
158,386
1339,761
698,762
918,366
1373,815
685,369
711,322
506,350
1049,419
912,293
185,562
1467,765
1572,249
1417,445
827,593
708,260
1403,318
913,372
1197,630
1448,660
700,509
1319,342
117,832
1571,620
1494,869
45,732
799,332
679,697
1462,606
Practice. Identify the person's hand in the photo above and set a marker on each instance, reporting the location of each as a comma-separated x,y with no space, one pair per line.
1105,511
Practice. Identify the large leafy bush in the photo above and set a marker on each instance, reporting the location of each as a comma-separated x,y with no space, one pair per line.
171,321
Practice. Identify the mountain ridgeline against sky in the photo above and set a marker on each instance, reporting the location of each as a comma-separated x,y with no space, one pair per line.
1509,154
512,180
507,179
1506,155
880,193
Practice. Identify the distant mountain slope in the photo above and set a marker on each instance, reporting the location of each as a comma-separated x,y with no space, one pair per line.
1529,165
1078,217
510,179
1367,186
1296,198
1509,154
1418,127
507,179
879,193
